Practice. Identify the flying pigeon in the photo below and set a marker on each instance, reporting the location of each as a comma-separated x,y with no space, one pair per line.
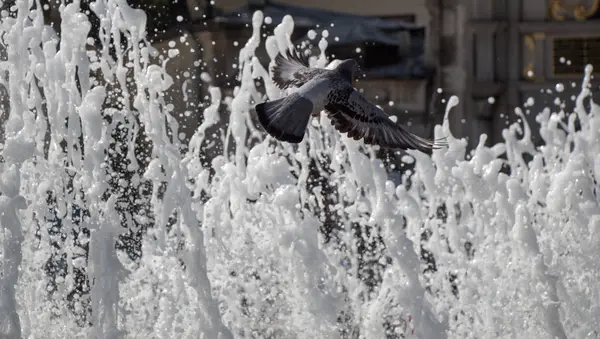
286,119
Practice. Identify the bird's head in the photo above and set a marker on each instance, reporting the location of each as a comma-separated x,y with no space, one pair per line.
348,68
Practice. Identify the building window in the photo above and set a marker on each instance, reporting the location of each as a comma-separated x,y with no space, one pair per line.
408,47
378,55
403,18
570,55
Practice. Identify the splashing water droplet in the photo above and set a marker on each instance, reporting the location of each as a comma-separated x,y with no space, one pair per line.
529,102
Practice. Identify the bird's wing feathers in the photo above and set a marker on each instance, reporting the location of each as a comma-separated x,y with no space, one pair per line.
351,113
293,70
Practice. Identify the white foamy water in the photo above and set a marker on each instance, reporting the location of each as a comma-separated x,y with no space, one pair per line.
231,246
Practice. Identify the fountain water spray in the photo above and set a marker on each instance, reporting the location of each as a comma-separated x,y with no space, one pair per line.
109,230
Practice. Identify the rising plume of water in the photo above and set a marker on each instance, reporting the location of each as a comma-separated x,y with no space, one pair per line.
270,240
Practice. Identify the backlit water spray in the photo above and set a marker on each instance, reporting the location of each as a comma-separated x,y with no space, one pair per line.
112,228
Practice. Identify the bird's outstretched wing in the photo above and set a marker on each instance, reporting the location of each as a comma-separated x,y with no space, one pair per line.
351,113
292,70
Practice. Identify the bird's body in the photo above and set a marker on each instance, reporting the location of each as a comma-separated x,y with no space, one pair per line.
316,91
286,119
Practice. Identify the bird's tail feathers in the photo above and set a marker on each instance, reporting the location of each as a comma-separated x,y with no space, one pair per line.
285,119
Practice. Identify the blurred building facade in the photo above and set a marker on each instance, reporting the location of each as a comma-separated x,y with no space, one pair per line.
492,54
522,53
495,55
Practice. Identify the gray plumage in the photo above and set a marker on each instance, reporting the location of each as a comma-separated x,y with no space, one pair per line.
286,119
